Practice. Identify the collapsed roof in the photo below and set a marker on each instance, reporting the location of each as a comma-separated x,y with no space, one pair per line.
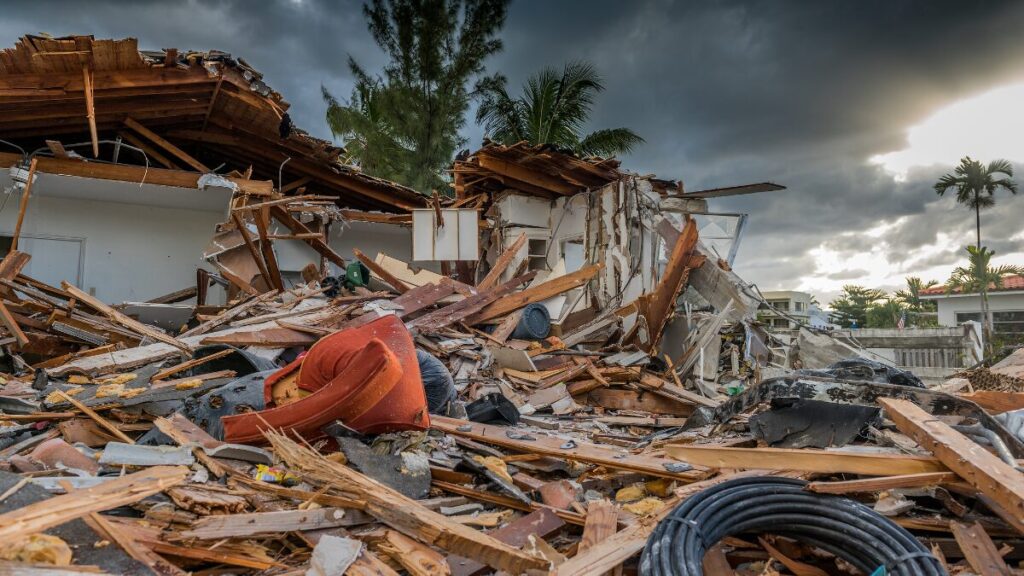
214,109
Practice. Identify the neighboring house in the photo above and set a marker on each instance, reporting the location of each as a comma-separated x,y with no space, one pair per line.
785,304
1006,305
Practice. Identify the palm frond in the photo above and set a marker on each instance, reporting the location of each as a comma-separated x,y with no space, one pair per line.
608,142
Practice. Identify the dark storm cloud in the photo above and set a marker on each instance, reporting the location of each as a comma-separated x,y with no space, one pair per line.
800,93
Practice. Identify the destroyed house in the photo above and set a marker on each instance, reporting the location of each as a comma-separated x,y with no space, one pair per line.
136,156
572,214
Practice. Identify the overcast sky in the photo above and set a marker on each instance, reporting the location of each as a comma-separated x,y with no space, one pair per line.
805,94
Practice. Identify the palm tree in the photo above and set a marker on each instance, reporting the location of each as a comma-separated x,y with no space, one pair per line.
552,110
976,185
911,297
977,276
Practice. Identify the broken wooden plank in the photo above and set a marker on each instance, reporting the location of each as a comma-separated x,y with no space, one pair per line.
234,525
979,550
254,252
297,227
96,417
404,514
602,522
502,263
120,318
55,511
181,438
189,364
542,523
262,219
23,204
616,458
883,483
12,325
90,108
467,306
537,293
827,461
268,338
972,462
657,306
210,555
230,314
381,272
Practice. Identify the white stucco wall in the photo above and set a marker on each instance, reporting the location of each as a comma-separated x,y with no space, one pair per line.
137,242
997,301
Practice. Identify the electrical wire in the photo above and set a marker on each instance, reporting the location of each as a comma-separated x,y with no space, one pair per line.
781,506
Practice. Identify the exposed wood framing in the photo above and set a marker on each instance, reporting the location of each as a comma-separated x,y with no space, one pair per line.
163,143
979,467
23,205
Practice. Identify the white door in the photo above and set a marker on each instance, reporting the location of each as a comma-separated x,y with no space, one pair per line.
53,259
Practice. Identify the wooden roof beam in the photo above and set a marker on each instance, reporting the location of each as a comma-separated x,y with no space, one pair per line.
160,141
128,173
518,172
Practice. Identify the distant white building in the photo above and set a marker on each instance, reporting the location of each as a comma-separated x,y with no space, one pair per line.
1006,306
795,306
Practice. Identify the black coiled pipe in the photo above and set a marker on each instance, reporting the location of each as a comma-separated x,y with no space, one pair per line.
781,506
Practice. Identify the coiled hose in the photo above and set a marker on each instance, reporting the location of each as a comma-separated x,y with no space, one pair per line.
781,506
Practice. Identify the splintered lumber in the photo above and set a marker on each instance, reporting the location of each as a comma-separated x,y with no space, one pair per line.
188,365
501,499
181,439
616,458
993,401
254,252
883,483
90,108
23,205
55,511
802,460
602,521
979,550
537,293
232,525
403,513
657,306
381,272
262,219
467,306
272,338
417,559
972,462
12,325
613,551
13,263
543,522
502,263
97,418
209,555
317,244
227,315
120,318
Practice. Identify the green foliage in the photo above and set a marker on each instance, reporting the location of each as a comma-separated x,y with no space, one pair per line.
979,272
404,125
976,185
884,314
853,305
553,109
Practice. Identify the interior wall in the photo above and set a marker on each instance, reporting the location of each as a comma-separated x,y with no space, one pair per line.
132,252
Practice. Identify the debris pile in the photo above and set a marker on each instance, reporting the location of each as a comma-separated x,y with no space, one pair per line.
581,388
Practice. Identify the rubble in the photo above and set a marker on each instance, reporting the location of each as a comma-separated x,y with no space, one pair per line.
573,400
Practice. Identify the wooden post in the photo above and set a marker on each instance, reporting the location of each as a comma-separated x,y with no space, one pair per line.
90,108
23,206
